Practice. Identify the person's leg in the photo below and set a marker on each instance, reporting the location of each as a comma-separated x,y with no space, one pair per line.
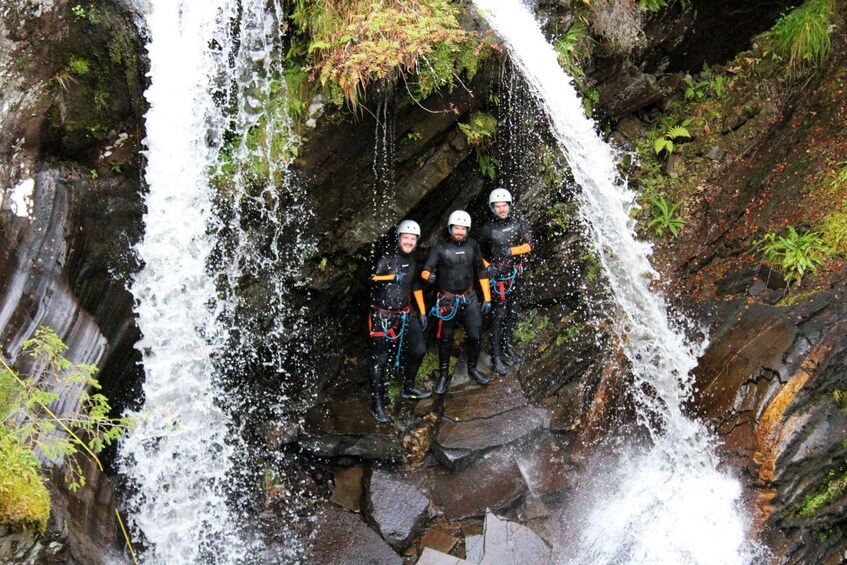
415,349
445,345
473,327
379,356
498,320
513,311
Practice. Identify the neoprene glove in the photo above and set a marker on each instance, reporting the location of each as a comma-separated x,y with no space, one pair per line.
424,321
486,308
431,278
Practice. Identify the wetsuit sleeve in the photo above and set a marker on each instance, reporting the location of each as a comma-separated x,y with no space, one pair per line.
521,249
381,269
431,261
482,273
485,242
419,300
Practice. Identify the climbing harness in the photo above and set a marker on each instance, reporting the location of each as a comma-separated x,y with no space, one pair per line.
391,325
447,306
502,286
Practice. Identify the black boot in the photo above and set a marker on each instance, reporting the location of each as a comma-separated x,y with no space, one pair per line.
512,354
441,387
377,408
477,375
497,363
409,390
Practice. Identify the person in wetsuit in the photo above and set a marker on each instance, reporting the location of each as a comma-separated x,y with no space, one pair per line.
454,265
505,241
396,330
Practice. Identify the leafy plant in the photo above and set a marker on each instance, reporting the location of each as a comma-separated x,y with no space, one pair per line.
803,35
487,165
480,128
795,254
665,143
664,217
29,428
350,44
573,47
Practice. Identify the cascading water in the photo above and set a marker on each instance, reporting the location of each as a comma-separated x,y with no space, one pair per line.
210,74
666,503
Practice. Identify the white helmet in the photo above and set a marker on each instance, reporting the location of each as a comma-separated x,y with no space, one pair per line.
500,195
458,218
409,226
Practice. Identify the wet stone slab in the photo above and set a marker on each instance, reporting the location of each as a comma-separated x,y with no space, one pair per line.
477,419
342,538
494,482
397,507
344,427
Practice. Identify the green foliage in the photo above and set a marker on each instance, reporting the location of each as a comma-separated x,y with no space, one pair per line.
350,44
78,66
91,14
802,36
840,398
574,47
487,165
664,217
531,326
590,97
656,5
665,143
834,233
480,129
29,428
795,254
698,91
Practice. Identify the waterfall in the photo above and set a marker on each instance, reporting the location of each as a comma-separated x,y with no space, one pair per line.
666,503
210,69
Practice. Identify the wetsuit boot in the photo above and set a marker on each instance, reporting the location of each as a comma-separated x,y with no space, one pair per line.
477,375
512,354
443,379
377,395
473,372
497,360
409,390
378,409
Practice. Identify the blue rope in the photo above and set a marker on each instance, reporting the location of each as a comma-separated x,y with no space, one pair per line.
492,281
456,301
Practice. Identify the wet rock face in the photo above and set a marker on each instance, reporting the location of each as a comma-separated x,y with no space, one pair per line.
767,386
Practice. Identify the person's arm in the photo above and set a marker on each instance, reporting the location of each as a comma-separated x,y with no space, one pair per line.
482,273
381,269
526,237
431,263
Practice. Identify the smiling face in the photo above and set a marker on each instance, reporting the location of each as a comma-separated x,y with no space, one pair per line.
459,233
501,210
408,242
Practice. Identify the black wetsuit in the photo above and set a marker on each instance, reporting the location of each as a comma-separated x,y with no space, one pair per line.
457,267
389,299
496,238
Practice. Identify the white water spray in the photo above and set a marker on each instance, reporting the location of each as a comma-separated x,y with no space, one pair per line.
669,504
180,458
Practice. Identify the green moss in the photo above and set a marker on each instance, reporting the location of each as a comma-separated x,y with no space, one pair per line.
832,488
78,66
